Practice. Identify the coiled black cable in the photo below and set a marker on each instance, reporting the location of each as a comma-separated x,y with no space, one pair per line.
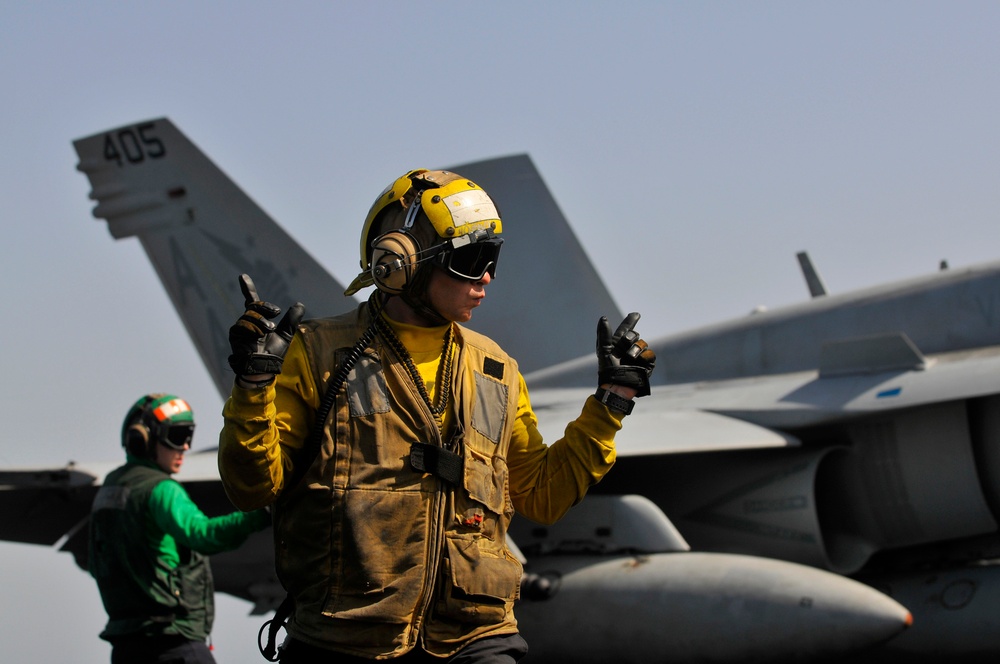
315,440
309,453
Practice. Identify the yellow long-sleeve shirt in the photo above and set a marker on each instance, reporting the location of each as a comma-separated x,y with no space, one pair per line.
266,428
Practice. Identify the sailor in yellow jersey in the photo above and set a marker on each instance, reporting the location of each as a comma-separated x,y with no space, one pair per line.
394,444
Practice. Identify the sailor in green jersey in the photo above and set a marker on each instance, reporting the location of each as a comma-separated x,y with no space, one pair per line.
149,542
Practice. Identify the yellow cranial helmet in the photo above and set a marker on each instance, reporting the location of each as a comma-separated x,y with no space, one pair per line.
428,216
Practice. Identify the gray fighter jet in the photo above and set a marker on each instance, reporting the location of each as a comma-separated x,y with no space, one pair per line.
833,466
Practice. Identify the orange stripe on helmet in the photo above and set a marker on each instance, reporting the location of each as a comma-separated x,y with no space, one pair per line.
170,409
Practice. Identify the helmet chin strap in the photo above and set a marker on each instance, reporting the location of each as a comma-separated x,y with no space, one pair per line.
414,297
425,310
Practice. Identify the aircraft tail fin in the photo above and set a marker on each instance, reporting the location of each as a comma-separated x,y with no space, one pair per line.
200,232
544,305
815,283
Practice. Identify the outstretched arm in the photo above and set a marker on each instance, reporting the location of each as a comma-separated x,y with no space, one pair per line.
545,481
177,515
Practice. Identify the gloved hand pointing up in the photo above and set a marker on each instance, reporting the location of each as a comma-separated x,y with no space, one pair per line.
258,345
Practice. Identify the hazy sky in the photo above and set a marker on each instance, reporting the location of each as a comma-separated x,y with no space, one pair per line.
694,146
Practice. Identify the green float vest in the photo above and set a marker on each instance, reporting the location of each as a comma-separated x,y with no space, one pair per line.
142,594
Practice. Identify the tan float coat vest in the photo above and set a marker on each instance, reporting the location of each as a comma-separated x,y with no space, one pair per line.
378,554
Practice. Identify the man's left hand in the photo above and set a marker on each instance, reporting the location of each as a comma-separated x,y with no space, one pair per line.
623,358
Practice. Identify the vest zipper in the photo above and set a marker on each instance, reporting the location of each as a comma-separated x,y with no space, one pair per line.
437,538
436,544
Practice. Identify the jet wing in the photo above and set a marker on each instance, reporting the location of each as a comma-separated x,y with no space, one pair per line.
755,412
39,506
655,427
675,431
813,398
51,506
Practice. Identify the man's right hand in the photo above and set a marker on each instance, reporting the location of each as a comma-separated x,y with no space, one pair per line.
258,345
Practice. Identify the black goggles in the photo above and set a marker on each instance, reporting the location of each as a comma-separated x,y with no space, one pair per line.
472,258
177,436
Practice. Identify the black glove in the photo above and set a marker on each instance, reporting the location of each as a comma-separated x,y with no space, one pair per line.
623,358
259,346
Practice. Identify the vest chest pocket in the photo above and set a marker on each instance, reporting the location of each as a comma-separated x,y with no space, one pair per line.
489,414
367,393
484,505
479,588
485,478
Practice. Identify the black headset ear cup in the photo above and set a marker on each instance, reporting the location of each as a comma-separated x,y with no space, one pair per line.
137,440
394,262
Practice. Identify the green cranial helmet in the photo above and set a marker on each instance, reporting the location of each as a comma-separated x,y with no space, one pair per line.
158,418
